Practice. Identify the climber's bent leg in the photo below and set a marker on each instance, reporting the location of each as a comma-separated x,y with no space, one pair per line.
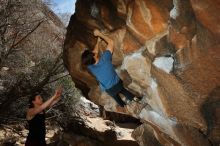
114,92
118,100
127,94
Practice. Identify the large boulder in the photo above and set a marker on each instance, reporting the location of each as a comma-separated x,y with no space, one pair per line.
168,52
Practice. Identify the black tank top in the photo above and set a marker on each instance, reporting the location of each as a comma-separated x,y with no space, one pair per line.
37,129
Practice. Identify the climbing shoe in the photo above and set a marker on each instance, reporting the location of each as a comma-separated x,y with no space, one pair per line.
138,100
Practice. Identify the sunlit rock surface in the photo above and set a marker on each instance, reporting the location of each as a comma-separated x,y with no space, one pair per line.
168,52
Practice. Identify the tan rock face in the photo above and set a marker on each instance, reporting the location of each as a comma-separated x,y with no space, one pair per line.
167,52
207,13
145,19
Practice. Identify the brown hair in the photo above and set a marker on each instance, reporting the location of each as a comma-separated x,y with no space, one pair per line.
31,99
87,58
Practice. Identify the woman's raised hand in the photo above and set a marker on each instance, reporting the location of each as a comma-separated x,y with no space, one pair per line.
58,92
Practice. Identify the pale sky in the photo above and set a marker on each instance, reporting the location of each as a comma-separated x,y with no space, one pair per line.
62,6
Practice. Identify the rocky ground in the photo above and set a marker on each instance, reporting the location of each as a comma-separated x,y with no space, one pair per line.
93,132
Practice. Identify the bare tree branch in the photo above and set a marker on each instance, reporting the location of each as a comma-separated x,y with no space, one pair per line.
22,39
58,78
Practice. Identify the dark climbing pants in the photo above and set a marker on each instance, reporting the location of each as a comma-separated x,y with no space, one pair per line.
116,90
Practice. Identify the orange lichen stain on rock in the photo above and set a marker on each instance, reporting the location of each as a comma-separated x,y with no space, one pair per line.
158,21
139,23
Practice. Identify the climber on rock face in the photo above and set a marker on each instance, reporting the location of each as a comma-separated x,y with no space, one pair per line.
102,68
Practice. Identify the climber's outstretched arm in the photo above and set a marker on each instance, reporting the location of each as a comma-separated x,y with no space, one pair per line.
96,48
108,40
